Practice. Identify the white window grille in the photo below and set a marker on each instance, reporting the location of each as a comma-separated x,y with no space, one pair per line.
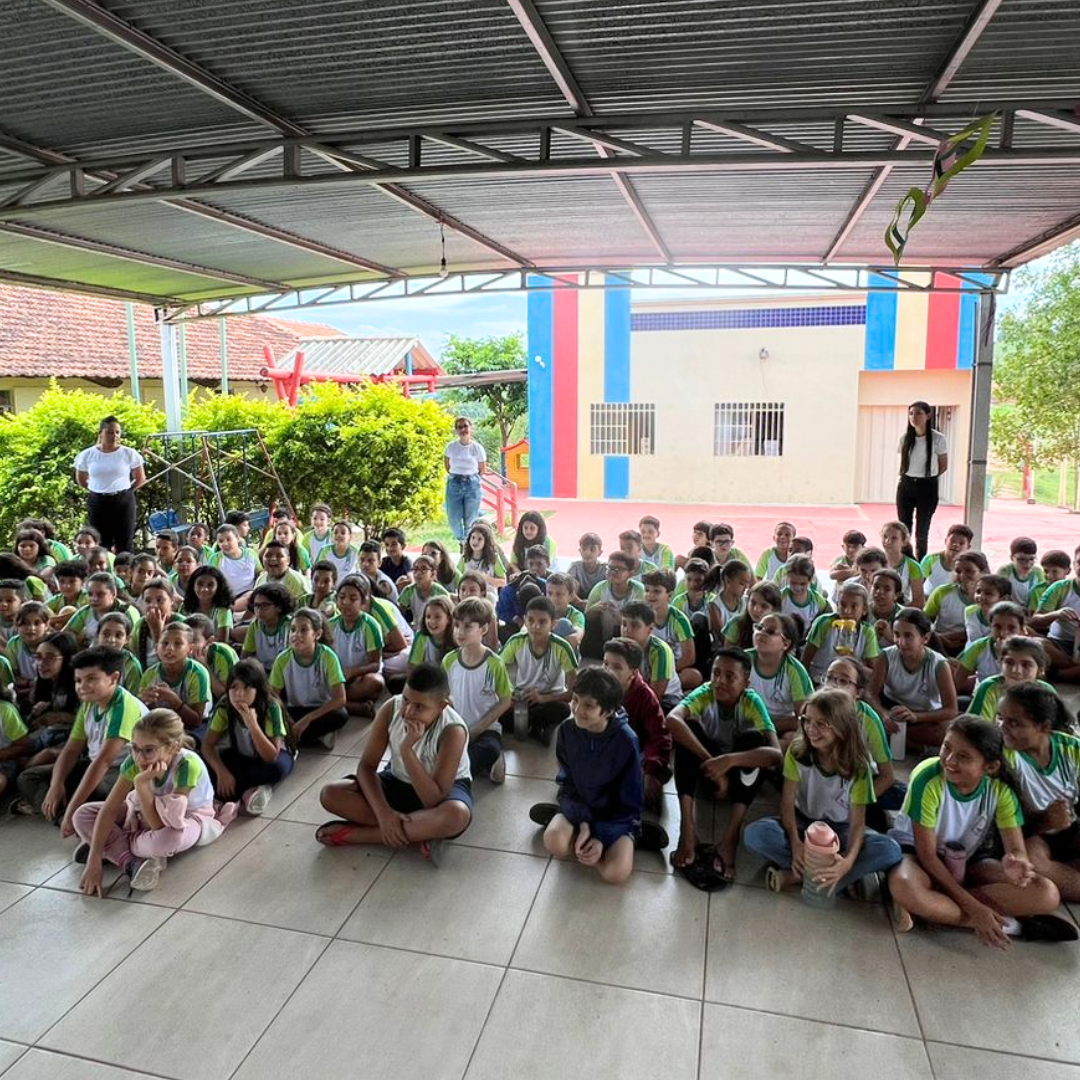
748,429
622,428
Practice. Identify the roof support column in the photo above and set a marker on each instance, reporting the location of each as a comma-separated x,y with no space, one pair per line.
976,497
224,357
133,355
170,373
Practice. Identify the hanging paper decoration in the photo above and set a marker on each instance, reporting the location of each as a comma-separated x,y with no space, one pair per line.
949,161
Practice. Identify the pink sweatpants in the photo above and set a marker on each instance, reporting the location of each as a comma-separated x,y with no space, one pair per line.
123,843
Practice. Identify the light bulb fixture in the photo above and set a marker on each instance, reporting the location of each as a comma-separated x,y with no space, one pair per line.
763,354
443,272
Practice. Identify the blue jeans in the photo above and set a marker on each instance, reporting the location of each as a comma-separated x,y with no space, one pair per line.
462,503
768,839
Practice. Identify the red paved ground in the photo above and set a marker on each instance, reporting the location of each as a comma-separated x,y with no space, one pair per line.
568,519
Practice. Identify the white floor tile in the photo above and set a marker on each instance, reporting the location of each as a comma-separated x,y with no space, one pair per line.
528,758
960,1063
501,817
31,850
9,893
192,1000
45,1065
308,770
377,1014
9,1054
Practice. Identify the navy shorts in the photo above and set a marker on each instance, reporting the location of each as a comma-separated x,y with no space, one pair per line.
402,796
607,832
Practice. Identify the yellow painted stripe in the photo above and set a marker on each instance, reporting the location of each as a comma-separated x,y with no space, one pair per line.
912,312
590,388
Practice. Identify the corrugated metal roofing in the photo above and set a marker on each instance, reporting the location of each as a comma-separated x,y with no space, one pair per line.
359,356
332,68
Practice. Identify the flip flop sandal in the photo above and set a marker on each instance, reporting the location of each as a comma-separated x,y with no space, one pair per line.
333,833
703,876
721,867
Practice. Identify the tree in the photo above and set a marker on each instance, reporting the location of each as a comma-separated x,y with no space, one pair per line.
1037,370
506,402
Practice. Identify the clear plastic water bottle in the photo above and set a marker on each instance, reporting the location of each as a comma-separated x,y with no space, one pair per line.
846,635
821,848
521,717
955,858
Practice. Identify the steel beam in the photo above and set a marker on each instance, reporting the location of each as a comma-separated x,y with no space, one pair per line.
975,495
1042,244
36,281
753,135
91,14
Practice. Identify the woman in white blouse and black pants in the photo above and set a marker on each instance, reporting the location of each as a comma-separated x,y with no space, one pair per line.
111,473
923,459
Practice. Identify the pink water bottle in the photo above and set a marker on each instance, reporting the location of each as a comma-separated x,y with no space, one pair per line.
821,848
955,858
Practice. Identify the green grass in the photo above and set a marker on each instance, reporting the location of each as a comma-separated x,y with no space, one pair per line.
1009,485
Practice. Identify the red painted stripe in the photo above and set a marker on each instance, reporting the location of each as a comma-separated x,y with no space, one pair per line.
565,394
943,325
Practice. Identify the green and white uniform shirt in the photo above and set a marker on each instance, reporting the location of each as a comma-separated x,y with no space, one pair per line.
917,689
988,695
1022,587
131,673
475,690
824,635
296,585
909,571
186,773
313,544
353,644
946,606
346,564
307,685
768,565
264,644
968,820
722,724
675,630
934,572
1060,779
681,602
411,600
782,691
220,660
980,659
96,724
21,657
877,739
726,614
426,650
575,617
84,623
12,728
191,686
390,618
658,666
1062,594
239,737
660,558
815,605
239,571
328,607
822,796
545,672
602,594
976,623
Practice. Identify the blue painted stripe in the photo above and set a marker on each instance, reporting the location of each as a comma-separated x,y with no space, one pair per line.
751,318
540,326
880,352
617,345
616,477
969,321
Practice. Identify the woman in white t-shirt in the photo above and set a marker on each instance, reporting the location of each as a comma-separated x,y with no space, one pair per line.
923,458
111,473
465,461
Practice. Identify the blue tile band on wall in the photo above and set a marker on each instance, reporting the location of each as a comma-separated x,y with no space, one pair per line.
969,321
616,476
751,318
880,354
541,381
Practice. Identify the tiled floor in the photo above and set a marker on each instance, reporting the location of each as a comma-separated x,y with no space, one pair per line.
267,956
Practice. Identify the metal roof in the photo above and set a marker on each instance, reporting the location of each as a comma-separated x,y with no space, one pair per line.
359,356
178,153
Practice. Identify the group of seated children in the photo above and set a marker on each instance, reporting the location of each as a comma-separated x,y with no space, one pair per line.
179,686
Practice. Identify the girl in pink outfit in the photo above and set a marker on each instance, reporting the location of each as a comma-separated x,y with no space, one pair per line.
161,804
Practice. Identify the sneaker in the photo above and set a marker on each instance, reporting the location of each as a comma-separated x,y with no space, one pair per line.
773,881
143,874
432,850
748,776
82,853
542,813
498,770
328,741
1048,928
542,734
653,836
255,800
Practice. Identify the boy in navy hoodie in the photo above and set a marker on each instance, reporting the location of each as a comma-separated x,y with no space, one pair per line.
600,781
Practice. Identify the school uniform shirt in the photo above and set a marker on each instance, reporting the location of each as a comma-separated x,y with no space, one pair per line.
7,676
191,685
602,594
980,659
768,565
660,558
877,739
909,571
8,631
239,571
1060,779
352,645
658,666
221,617
474,690
934,573
600,777
1036,594
545,672
273,726
976,624
411,600
426,650
83,625
427,748
674,630
21,658
891,617
933,802
131,672
295,583
681,602
186,772
815,605
12,728
328,607
824,635
822,796
947,606
390,618
721,724
783,691
587,580
220,660
988,693
1022,587
1061,594
727,615
574,616
59,551
58,602
143,646
307,686
96,724
313,544
264,644
496,570
917,689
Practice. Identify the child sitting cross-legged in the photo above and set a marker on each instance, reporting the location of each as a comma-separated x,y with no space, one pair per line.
161,804
598,814
658,661
424,796
826,778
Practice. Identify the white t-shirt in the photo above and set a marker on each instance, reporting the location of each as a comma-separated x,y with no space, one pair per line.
917,461
465,458
108,473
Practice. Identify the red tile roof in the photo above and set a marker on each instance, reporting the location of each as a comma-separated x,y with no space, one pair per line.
45,333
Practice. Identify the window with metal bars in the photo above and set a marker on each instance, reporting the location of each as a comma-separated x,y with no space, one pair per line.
748,429
622,428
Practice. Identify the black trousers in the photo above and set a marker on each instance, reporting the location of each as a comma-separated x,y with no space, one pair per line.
916,501
332,721
688,764
114,517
